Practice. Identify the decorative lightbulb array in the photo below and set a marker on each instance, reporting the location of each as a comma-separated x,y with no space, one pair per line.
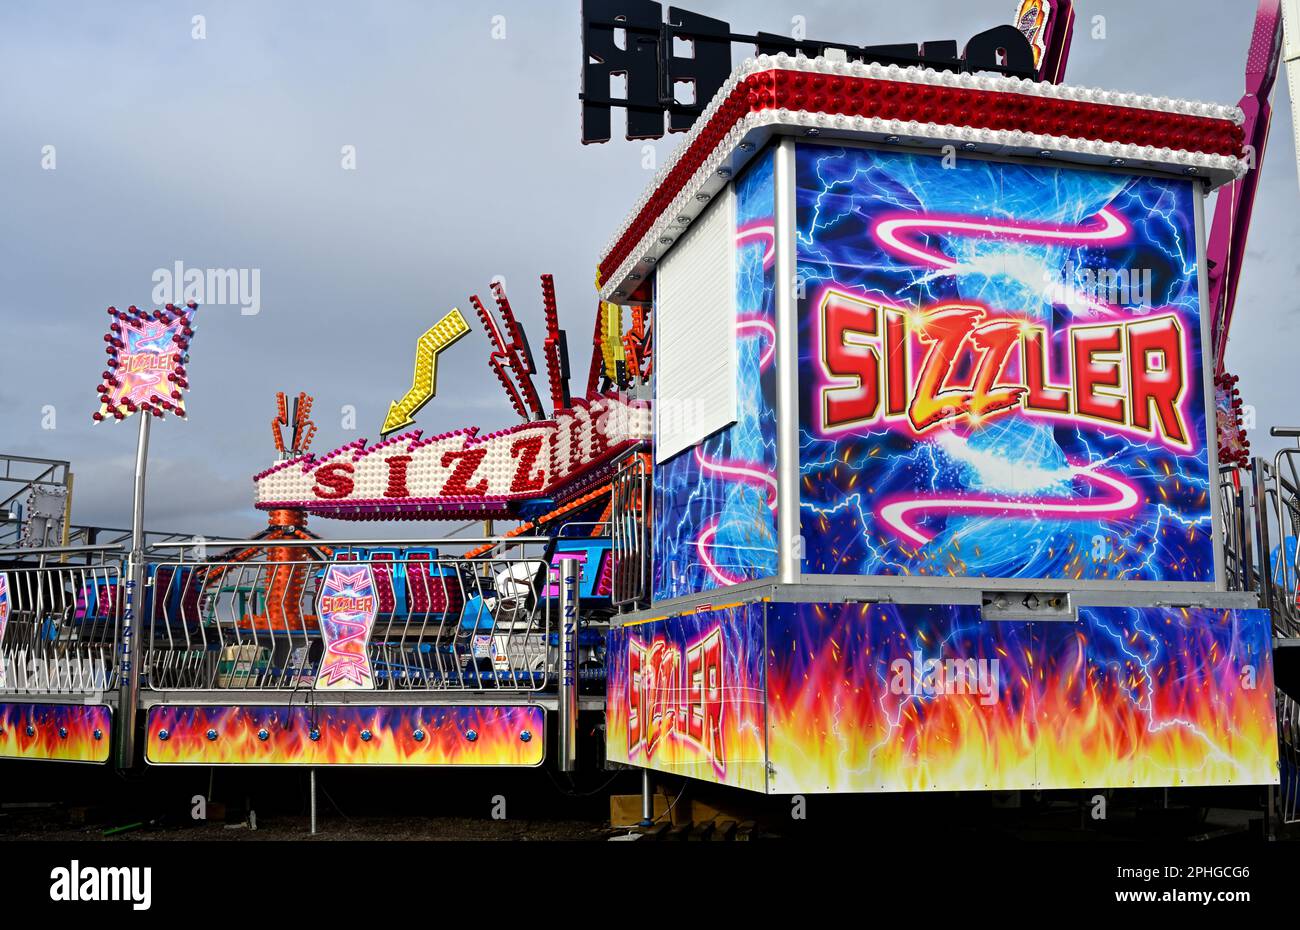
915,106
147,354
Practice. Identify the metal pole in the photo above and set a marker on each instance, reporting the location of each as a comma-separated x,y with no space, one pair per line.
789,546
647,800
567,692
1261,533
313,800
129,689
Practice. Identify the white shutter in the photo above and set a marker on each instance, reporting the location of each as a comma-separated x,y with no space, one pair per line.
695,332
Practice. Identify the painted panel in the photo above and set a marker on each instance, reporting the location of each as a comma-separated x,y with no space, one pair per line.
906,698
1158,697
685,695
346,735
55,732
715,504
1000,371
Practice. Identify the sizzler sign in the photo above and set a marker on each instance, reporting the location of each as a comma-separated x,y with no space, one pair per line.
409,474
1001,370
676,694
953,363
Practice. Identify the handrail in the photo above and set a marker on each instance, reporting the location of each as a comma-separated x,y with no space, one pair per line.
343,543
59,550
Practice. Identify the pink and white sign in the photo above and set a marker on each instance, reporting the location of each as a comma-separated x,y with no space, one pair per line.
346,607
146,362
415,477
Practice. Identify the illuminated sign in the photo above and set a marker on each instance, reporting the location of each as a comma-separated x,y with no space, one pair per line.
1001,371
424,383
346,607
147,353
408,473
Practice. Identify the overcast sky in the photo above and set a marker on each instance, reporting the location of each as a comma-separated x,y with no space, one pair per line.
225,152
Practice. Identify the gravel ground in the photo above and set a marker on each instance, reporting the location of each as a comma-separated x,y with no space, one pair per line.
43,826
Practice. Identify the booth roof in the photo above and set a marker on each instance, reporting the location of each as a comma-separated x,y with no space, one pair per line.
990,114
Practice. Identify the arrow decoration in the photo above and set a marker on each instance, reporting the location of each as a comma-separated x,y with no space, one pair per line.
424,384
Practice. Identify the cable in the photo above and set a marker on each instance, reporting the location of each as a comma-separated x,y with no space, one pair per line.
571,793
669,809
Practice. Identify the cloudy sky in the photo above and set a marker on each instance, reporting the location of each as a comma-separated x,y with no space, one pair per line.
226,152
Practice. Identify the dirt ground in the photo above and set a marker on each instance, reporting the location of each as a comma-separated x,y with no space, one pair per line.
54,826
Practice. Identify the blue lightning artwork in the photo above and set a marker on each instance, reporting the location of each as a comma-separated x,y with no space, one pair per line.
1000,370
715,504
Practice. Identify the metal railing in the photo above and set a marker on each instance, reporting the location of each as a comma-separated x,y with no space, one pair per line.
60,624
1288,738
1240,572
630,529
266,616
1262,519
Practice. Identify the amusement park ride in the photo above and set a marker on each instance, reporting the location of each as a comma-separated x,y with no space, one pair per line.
870,487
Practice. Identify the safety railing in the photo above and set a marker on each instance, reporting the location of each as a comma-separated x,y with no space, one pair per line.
630,516
1274,514
1288,738
320,616
60,620
1235,510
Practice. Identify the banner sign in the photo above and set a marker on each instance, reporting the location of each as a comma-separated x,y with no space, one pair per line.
346,606
409,476
1001,371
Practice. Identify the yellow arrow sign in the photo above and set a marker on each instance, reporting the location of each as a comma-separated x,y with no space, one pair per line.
424,384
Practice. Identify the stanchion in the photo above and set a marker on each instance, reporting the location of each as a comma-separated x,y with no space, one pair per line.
567,692
647,800
129,688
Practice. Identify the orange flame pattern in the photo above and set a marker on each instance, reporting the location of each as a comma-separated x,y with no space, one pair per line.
1125,697
654,691
55,732
858,698
351,734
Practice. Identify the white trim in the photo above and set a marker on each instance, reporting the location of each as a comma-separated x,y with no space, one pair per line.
1220,168
695,393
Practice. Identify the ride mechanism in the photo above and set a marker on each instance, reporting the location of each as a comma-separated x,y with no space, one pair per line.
899,464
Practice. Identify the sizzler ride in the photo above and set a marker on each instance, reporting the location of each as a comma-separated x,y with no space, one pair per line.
931,537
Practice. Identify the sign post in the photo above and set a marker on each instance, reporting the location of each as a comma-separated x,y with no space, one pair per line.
147,354
570,596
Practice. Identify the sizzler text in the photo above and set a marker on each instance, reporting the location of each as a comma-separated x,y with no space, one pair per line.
676,695
957,362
